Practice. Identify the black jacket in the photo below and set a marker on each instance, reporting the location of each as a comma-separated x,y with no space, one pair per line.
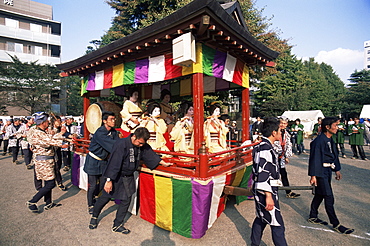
123,162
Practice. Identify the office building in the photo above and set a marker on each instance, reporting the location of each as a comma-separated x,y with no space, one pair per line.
367,55
28,31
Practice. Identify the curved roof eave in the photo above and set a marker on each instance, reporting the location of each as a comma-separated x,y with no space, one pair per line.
193,9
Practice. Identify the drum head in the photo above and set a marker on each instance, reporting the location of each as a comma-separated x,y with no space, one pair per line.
93,118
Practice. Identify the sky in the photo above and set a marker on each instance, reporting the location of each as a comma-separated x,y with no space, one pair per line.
331,31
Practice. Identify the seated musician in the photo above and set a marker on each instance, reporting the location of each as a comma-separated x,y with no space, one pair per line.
156,126
131,112
182,133
215,130
166,109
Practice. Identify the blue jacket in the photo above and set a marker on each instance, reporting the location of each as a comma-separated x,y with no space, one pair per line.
123,162
322,150
101,145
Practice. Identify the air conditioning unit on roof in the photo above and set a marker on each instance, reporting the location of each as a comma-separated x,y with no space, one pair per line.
183,50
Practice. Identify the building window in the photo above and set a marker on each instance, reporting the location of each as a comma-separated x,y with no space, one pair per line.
14,47
35,27
11,23
38,50
30,49
368,59
18,48
55,50
10,46
368,51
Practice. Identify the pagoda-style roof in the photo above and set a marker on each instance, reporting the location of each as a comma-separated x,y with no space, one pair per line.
216,25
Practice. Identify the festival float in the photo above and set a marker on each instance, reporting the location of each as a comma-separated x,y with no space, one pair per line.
201,48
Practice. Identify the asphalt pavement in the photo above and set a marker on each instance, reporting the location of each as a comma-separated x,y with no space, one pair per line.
68,224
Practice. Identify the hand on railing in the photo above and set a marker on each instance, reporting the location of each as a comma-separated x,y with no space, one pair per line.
165,164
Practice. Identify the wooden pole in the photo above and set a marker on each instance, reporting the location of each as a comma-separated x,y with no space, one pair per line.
198,103
245,114
86,106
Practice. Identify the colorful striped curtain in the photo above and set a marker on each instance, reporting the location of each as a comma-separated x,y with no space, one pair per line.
183,205
186,206
209,61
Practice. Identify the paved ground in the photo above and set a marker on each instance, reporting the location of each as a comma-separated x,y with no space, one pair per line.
68,224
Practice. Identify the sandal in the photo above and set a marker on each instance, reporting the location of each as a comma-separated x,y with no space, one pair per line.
292,195
62,187
52,205
317,221
93,223
91,209
342,229
32,207
120,229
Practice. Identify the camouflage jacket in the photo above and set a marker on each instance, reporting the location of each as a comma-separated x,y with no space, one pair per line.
42,143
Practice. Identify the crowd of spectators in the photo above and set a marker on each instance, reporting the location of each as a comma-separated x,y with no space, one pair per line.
13,138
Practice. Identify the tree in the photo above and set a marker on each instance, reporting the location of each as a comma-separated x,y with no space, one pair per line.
300,86
360,76
327,90
358,92
259,27
292,84
96,44
134,15
30,83
279,92
73,92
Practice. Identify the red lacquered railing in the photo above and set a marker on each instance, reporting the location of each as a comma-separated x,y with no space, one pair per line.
203,166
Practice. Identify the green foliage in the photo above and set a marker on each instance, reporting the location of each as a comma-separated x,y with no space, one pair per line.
134,15
113,98
74,101
358,92
96,44
300,86
327,91
258,25
360,76
292,84
31,82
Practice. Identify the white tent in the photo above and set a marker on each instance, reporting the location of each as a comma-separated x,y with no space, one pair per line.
308,118
365,112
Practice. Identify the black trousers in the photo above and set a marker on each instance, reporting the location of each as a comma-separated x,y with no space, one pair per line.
66,155
329,208
37,182
95,186
278,233
341,148
121,211
360,151
58,166
5,147
44,191
300,148
27,156
294,145
15,151
284,178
